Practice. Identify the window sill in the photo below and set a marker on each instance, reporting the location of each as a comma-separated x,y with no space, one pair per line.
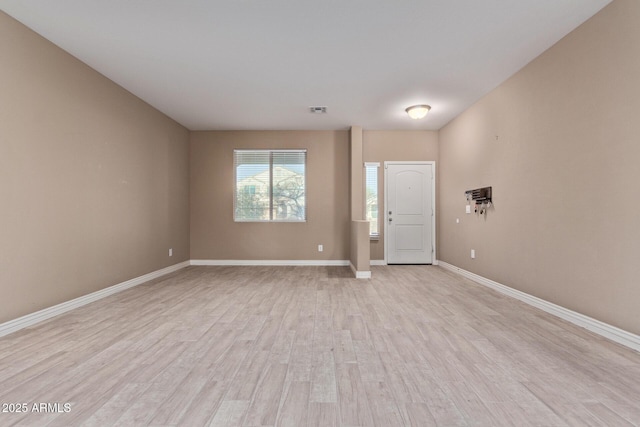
374,238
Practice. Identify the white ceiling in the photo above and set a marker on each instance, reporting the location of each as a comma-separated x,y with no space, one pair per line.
249,64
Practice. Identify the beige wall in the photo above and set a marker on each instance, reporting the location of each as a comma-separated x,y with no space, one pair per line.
214,234
360,256
357,174
93,181
381,146
559,143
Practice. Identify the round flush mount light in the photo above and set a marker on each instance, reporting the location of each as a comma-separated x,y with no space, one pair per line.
418,111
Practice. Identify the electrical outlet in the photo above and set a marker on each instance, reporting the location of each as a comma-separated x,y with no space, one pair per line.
170,251
320,248
473,253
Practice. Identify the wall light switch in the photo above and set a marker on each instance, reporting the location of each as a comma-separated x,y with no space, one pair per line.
468,209
457,220
320,248
170,251
473,253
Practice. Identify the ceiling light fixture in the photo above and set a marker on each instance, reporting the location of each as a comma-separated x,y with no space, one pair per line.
418,111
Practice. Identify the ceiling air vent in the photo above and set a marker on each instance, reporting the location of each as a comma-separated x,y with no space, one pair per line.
318,110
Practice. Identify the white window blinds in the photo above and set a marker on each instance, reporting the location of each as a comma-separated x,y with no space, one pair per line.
371,197
270,185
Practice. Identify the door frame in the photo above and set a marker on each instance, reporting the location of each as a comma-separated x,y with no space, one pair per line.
434,259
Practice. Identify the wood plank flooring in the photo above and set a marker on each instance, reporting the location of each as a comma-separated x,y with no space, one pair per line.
310,346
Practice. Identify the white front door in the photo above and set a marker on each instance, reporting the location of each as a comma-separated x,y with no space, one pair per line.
409,212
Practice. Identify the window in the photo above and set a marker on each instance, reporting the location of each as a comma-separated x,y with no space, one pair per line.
270,185
371,198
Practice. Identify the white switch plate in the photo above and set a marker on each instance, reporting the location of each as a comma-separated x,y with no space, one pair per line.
473,253
170,251
457,220
468,209
320,248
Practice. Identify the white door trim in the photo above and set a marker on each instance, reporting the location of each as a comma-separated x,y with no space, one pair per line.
433,204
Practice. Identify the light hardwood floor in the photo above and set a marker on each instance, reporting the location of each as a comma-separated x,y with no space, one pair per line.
310,346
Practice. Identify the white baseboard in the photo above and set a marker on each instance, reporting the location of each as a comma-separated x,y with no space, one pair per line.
277,262
47,313
604,329
383,262
360,274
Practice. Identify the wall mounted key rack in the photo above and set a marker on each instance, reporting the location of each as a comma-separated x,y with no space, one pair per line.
481,197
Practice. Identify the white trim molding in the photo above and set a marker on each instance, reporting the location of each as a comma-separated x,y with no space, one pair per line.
360,274
47,313
611,332
384,262
275,262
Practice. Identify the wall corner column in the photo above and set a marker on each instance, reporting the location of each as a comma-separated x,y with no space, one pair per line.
360,250
357,178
